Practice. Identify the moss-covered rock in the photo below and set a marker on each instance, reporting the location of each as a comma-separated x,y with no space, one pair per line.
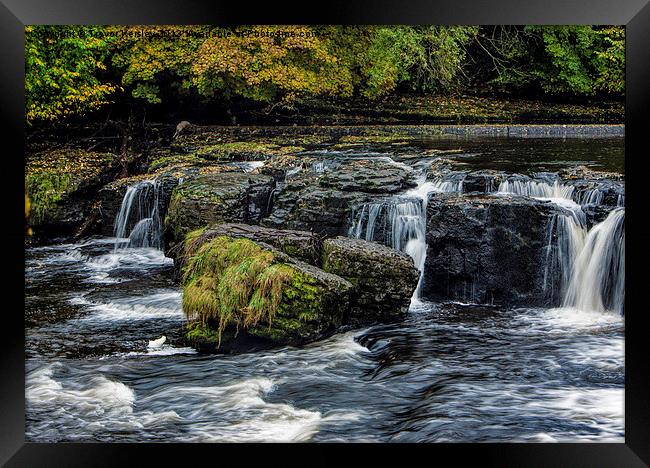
237,291
384,279
216,198
302,245
212,148
61,184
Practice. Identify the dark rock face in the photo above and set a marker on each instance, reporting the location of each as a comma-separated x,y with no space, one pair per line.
216,198
384,279
486,249
485,181
323,202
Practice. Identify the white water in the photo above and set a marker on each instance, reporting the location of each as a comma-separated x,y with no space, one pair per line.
404,221
537,189
140,205
591,263
598,276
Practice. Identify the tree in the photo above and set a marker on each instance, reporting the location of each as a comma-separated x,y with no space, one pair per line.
63,68
570,60
267,63
426,58
149,58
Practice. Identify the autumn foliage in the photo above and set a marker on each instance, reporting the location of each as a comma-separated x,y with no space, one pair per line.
72,70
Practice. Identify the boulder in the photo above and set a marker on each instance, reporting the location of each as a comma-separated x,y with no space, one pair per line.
323,201
302,245
484,181
486,249
219,197
241,295
384,279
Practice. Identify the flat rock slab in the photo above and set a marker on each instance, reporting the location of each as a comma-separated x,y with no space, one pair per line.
302,245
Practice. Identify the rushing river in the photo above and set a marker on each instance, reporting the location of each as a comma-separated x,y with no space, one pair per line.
449,372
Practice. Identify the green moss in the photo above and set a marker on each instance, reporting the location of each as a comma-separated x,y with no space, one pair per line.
175,160
232,282
45,189
243,150
197,331
379,138
52,174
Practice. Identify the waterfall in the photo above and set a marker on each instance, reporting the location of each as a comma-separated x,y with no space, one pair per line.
588,265
401,222
566,236
140,209
598,275
532,188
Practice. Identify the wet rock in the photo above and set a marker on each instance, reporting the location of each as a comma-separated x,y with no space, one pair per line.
323,201
384,279
241,295
486,249
586,173
485,181
377,175
216,198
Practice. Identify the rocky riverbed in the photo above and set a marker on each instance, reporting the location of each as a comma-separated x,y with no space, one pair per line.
279,240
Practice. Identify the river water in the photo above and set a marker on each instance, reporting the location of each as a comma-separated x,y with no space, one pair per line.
449,372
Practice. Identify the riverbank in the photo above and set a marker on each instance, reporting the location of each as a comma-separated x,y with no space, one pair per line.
421,110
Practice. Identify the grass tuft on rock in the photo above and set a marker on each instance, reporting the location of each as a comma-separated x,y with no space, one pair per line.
45,189
231,282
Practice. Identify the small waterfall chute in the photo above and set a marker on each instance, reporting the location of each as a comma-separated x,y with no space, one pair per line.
597,280
588,265
138,220
537,189
400,222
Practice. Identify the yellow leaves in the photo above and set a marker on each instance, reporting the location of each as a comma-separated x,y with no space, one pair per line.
28,206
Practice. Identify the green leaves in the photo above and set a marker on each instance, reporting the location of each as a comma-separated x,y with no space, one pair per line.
427,58
72,70
62,69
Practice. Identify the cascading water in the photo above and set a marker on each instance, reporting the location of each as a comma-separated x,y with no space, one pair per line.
598,276
585,268
537,189
401,221
589,264
141,209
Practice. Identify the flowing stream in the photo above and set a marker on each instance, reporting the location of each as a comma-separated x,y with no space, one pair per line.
449,372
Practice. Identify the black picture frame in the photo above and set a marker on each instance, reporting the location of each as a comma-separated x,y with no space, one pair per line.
635,14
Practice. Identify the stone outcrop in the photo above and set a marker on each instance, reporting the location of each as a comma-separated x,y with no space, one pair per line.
62,185
216,198
302,245
360,283
384,279
486,249
323,202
